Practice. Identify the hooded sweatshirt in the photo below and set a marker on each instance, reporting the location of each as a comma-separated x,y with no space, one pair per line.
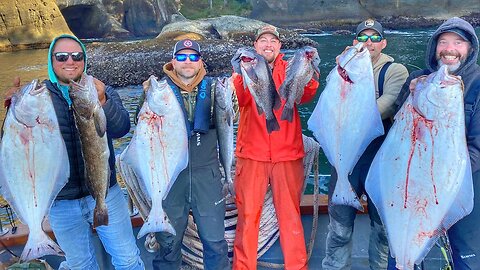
470,73
51,74
118,124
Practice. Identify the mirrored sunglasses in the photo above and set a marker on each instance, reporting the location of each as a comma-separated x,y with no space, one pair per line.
373,38
181,57
63,56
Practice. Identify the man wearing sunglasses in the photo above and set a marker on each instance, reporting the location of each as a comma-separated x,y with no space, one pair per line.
265,158
71,215
198,187
455,44
389,78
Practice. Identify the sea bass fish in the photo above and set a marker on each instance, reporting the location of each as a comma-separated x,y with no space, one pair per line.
34,164
346,118
158,152
224,116
300,70
92,126
257,76
421,178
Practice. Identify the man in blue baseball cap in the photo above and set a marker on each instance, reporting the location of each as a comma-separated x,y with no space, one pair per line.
198,188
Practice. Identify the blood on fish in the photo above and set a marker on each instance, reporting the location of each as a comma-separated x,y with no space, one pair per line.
421,206
415,136
422,235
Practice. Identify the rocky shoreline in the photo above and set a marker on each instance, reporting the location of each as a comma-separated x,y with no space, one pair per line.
130,63
392,23
123,63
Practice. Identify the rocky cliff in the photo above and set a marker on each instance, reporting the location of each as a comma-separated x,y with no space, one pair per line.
401,13
116,18
29,24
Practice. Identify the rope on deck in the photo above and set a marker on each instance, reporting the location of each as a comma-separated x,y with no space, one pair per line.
192,249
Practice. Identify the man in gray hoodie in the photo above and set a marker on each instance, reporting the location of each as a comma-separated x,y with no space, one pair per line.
455,44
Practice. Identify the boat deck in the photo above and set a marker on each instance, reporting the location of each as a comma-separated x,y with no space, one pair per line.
434,259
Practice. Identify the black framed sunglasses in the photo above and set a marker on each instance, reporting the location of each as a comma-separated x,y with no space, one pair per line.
373,38
181,57
63,56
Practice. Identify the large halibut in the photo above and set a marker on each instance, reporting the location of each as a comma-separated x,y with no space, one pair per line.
34,164
346,118
421,179
156,155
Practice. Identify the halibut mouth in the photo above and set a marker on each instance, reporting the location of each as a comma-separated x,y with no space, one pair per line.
359,48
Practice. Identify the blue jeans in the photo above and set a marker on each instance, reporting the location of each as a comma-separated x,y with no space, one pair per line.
71,222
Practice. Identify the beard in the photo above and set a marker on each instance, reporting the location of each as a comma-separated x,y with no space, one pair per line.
451,67
65,80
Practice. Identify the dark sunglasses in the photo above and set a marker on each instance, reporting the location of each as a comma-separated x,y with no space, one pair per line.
181,57
373,38
63,56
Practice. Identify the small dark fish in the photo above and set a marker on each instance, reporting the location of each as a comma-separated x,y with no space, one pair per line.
300,70
224,116
92,125
257,76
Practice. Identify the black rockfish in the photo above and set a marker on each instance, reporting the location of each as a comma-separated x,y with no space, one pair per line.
92,125
300,69
257,76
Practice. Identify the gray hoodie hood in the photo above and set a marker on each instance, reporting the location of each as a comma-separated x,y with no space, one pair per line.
453,23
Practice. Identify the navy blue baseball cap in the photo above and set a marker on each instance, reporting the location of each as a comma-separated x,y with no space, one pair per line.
186,44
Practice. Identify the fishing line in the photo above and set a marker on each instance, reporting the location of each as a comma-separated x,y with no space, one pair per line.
11,220
417,67
9,211
446,251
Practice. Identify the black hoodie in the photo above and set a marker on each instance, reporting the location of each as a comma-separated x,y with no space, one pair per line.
470,73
